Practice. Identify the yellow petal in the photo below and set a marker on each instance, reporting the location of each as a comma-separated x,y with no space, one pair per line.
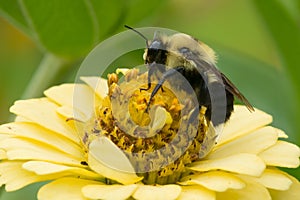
38,133
292,193
158,192
240,163
254,143
2,154
215,180
43,112
273,179
195,193
26,149
78,96
282,154
252,191
46,168
64,94
108,160
70,113
159,117
98,84
243,121
15,177
63,189
109,192
281,134
21,119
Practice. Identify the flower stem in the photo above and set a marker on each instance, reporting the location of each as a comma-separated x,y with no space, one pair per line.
47,73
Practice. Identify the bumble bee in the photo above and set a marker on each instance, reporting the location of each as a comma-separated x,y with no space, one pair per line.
197,63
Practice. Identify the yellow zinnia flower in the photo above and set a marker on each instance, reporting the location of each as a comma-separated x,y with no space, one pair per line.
81,139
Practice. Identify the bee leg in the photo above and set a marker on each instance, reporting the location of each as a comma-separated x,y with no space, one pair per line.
167,74
150,73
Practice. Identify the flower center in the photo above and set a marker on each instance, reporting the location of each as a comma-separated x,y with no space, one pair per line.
160,141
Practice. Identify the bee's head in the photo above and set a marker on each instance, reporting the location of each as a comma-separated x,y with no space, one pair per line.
156,50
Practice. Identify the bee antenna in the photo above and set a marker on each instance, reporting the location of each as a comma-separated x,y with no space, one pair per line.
138,33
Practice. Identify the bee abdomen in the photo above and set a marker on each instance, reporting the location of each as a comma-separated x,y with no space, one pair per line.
219,104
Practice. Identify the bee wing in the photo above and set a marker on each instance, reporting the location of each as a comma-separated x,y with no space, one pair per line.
231,88
203,66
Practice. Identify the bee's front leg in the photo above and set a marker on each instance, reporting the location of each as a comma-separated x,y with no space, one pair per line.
150,73
165,75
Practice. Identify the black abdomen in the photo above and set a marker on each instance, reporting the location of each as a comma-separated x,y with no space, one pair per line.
212,95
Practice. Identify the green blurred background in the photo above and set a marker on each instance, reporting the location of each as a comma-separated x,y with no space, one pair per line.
258,44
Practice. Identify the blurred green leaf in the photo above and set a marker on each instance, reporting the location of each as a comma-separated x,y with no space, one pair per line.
292,6
12,10
142,10
66,28
71,28
50,70
286,33
110,15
